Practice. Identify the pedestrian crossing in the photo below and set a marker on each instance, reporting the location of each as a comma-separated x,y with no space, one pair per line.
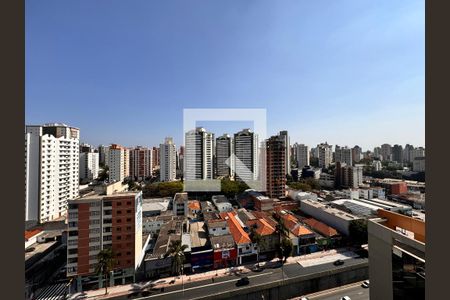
53,292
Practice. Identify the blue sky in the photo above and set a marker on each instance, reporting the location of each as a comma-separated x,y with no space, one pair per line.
346,72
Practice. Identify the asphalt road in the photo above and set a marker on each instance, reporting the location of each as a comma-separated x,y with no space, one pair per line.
207,287
354,292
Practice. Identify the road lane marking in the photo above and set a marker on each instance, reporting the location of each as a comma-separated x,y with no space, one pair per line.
201,286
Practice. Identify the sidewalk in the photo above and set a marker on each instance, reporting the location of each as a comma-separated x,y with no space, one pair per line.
178,280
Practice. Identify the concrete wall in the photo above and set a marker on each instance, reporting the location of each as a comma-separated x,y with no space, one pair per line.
297,286
293,287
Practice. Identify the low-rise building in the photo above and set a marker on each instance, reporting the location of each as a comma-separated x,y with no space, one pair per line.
247,250
303,239
225,252
201,256
180,204
222,203
328,215
155,207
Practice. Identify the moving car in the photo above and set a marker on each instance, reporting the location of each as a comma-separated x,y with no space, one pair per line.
243,281
338,262
346,298
365,284
304,298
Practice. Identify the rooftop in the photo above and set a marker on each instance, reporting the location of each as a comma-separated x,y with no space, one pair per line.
219,199
194,205
262,226
199,237
329,210
158,204
222,242
320,227
238,233
180,197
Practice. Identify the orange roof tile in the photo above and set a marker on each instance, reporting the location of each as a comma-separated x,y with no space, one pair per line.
321,227
30,233
238,233
194,205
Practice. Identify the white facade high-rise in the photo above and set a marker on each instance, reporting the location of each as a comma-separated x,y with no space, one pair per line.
167,159
51,170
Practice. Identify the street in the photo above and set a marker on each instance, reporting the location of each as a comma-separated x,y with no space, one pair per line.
354,291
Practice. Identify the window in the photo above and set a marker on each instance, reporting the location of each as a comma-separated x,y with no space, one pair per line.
128,219
73,224
119,229
73,206
94,213
107,221
119,220
128,202
107,203
128,211
94,240
119,203
73,233
107,229
128,253
94,230
108,212
72,260
119,212
94,248
73,251
118,237
93,222
128,227
107,238
119,254
72,242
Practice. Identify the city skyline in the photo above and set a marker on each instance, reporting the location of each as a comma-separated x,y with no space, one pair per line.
356,79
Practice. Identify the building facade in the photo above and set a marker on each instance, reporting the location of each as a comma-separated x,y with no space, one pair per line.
246,152
118,163
275,166
167,160
287,153
97,222
141,163
224,148
325,154
89,166
51,170
302,155
343,155
199,152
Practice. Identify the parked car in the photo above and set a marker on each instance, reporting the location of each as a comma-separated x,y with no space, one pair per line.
346,298
243,281
365,284
338,262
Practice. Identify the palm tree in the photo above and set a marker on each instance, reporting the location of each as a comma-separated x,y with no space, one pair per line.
176,250
282,230
106,262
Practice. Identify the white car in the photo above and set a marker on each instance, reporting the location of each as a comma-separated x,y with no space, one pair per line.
346,298
365,284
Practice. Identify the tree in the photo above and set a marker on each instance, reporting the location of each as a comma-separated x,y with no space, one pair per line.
106,262
285,249
104,174
358,231
299,186
176,251
231,188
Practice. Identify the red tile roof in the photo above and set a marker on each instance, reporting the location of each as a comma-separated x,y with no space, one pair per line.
321,227
262,226
30,233
294,226
194,205
238,233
